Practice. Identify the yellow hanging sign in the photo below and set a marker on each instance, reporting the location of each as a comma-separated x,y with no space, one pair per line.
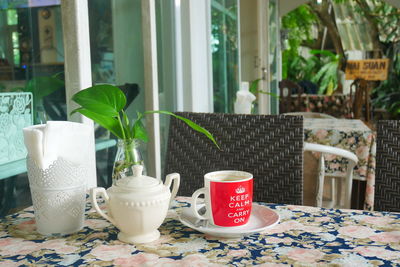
367,69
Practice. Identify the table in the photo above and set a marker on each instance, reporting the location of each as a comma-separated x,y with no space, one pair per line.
305,235
352,135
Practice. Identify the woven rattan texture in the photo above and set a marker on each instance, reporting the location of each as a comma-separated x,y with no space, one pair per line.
387,184
270,147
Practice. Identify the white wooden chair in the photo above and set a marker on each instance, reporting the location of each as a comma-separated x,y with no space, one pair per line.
346,180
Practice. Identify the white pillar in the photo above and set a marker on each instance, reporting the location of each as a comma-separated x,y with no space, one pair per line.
151,86
78,72
77,66
264,104
197,87
249,50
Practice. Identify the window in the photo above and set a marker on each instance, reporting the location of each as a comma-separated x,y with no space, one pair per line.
225,53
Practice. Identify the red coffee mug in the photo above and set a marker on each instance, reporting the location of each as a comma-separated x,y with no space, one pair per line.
228,198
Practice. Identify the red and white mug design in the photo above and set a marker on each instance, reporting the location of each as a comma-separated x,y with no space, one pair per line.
228,198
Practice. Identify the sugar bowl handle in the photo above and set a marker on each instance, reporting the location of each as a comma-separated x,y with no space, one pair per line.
101,191
177,180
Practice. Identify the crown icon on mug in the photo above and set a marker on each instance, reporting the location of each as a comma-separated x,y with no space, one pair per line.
240,190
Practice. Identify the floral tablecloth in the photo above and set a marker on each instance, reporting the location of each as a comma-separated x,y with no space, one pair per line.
352,135
305,236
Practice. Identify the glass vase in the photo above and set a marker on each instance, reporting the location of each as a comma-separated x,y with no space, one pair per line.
128,154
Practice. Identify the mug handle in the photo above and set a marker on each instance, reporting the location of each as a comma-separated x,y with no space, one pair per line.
101,191
195,196
168,180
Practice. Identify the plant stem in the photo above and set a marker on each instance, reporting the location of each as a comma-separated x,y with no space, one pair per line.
126,121
129,146
129,158
122,127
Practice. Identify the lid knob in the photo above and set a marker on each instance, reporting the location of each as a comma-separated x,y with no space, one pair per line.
137,181
137,170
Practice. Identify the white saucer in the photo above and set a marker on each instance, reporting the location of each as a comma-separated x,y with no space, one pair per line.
261,218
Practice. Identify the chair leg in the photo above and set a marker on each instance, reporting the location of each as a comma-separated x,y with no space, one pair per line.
343,199
330,202
343,193
334,193
340,193
347,188
320,182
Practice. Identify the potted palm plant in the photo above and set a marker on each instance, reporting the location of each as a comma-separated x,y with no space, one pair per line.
105,105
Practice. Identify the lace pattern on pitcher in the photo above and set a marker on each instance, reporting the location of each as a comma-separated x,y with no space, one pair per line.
61,174
51,204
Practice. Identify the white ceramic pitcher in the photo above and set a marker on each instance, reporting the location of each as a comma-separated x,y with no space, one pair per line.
137,205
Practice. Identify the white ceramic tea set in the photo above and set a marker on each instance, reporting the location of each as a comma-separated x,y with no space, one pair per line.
137,205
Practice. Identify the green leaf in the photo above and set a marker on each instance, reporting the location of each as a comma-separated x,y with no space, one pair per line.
125,123
190,123
125,118
104,99
43,86
107,122
268,93
55,75
139,131
323,53
16,89
254,86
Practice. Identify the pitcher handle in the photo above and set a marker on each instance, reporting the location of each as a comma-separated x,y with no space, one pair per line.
168,180
101,191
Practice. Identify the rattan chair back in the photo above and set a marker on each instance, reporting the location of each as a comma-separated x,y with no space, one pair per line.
387,183
268,146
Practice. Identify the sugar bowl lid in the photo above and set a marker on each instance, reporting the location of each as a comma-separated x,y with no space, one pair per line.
138,181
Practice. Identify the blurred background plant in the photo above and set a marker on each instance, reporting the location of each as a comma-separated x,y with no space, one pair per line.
326,64
42,89
299,25
316,45
387,95
316,66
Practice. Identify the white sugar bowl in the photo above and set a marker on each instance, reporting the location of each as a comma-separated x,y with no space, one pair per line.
137,205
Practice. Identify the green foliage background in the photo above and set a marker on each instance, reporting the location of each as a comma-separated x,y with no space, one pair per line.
320,66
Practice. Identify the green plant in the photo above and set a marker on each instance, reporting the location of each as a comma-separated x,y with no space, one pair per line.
299,24
327,76
387,95
40,87
105,104
254,89
320,68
